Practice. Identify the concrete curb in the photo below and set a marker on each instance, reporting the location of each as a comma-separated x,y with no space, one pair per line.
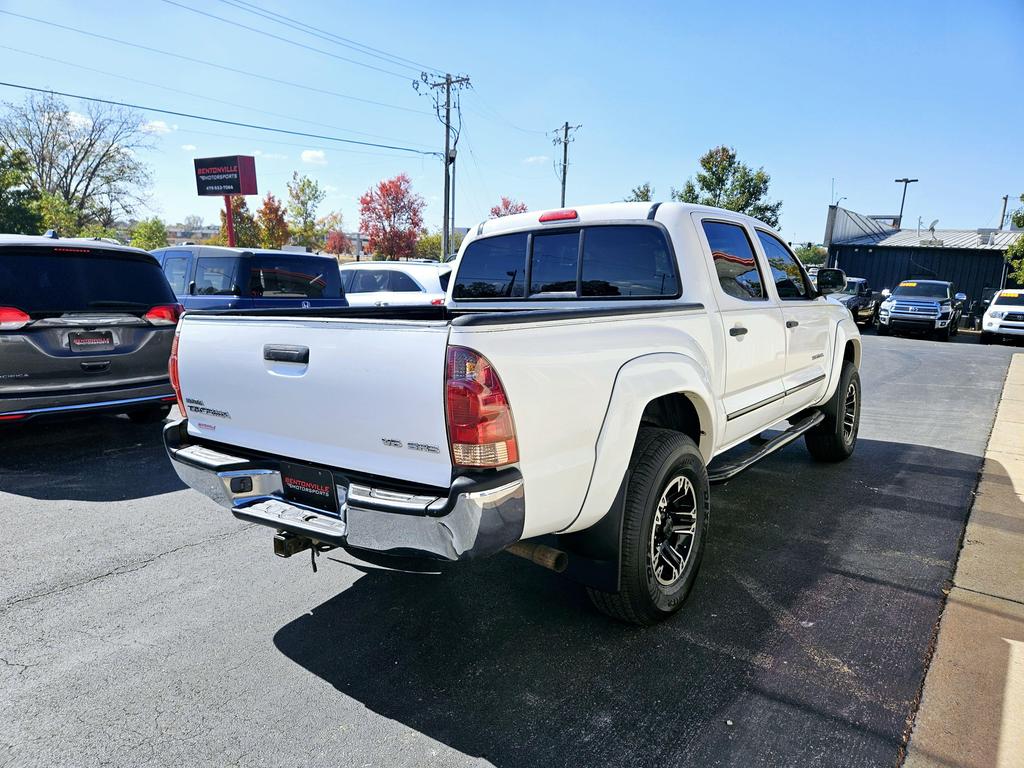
972,708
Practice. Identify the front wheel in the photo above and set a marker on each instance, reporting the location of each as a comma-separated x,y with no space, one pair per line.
836,436
665,517
881,330
987,338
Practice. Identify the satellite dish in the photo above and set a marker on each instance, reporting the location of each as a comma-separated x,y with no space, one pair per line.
932,225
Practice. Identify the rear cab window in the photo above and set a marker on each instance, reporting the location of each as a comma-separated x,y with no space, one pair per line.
598,261
301,277
47,282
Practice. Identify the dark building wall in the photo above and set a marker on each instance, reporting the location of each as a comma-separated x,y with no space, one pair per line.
972,271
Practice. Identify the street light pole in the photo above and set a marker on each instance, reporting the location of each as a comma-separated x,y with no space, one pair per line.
905,182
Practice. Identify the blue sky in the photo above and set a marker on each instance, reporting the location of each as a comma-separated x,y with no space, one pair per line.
810,91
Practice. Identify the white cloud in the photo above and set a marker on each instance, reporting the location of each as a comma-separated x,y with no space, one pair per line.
269,155
314,157
536,159
78,120
188,147
158,127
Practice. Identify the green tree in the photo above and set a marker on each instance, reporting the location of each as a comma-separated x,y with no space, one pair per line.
247,232
428,246
18,214
56,213
642,194
98,230
1017,217
810,254
150,234
1015,255
725,182
304,197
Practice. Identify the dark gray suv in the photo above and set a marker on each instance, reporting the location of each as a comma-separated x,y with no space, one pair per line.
84,325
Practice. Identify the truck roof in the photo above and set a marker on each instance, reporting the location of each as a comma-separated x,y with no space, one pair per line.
67,242
603,212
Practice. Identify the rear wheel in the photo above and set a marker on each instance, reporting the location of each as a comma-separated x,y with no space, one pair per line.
150,415
665,518
835,438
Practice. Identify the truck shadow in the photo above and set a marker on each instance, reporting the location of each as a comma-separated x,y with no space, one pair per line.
95,458
807,633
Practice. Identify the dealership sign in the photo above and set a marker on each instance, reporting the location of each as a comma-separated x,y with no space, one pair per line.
233,175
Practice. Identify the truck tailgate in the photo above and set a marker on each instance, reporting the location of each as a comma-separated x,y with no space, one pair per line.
370,397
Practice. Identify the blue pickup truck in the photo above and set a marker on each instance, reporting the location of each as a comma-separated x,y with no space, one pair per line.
212,277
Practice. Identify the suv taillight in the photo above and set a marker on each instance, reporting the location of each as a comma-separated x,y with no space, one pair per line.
480,427
172,372
164,314
11,319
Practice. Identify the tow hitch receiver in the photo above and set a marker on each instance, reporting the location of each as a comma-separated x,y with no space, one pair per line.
287,544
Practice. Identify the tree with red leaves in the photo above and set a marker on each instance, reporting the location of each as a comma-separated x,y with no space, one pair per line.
391,217
271,222
337,243
507,207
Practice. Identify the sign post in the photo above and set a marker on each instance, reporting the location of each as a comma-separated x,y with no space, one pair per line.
227,176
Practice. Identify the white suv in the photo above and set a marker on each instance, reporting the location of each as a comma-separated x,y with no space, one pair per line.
384,283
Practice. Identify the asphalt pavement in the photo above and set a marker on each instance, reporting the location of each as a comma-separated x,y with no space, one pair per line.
140,624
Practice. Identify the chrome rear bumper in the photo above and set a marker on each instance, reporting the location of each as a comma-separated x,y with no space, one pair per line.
477,516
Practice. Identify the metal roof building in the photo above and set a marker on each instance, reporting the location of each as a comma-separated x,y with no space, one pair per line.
874,247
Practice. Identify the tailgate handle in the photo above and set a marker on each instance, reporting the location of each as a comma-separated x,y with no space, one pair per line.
95,366
282,353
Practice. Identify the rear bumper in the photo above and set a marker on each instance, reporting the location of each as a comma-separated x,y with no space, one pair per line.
118,400
475,518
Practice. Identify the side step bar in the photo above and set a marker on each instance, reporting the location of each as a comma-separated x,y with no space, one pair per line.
726,472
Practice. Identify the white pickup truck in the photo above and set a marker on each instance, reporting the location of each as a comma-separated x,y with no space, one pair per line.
566,404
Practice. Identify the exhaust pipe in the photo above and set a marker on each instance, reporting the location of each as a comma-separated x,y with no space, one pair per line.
548,557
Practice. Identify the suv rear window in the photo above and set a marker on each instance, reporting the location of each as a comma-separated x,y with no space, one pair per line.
53,281
621,261
304,277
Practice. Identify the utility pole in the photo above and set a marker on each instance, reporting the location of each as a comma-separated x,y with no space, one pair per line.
561,136
1002,216
905,182
448,83
451,162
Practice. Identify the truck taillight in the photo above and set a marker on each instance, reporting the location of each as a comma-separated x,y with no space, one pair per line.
480,427
11,319
172,372
164,314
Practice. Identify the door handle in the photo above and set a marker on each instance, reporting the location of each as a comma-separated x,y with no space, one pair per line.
738,330
282,353
95,366
792,323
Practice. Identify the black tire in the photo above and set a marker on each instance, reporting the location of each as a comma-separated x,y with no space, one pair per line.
944,334
881,330
666,465
986,338
150,415
835,438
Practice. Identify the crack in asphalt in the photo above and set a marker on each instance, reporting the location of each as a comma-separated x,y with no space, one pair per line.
123,569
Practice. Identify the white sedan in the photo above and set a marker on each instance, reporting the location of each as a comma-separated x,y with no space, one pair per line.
395,283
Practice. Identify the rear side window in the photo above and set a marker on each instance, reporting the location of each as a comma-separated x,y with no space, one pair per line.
176,271
293,277
367,280
216,277
53,281
402,283
735,263
618,261
493,268
786,270
443,278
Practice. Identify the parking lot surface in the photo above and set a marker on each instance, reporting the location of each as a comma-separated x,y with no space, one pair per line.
143,625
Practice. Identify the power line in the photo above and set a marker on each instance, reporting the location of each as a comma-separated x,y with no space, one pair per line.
285,39
223,67
75,65
218,120
328,36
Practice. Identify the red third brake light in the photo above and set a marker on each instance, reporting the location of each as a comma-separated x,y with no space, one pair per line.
164,314
480,427
566,214
11,319
172,372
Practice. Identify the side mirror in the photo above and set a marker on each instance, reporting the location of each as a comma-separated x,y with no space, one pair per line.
831,281
886,293
961,297
192,288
